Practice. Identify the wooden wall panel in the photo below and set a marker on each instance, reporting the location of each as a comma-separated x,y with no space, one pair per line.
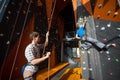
87,5
49,9
108,5
74,3
53,59
60,28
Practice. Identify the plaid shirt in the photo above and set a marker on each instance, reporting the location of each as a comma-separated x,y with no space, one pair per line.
31,52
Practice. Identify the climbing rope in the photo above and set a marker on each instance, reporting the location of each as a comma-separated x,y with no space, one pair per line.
49,25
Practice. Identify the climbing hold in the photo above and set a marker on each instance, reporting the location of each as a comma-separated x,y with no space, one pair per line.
102,28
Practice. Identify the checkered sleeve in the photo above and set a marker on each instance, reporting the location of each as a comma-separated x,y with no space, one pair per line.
30,53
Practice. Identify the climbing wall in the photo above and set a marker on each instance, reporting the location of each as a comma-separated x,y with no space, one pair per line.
110,60
104,26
